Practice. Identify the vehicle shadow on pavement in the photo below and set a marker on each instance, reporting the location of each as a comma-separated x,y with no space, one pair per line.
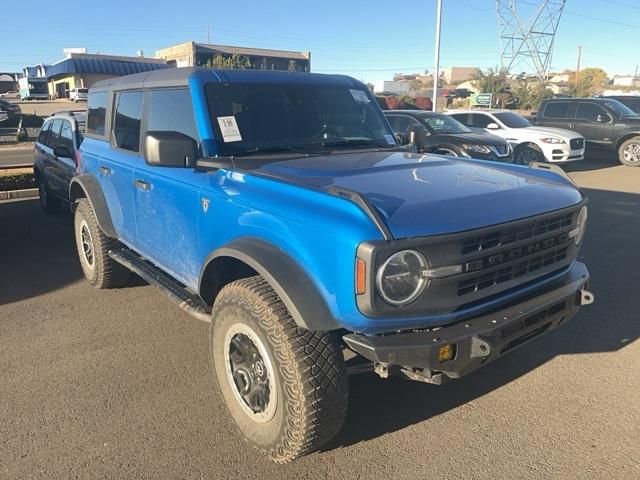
595,159
381,406
37,251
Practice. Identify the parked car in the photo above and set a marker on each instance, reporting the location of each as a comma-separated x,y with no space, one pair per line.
78,94
443,135
602,122
630,101
279,207
529,143
57,157
10,94
10,108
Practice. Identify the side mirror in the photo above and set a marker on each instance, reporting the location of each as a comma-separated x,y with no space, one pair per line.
603,118
416,135
62,151
170,149
493,126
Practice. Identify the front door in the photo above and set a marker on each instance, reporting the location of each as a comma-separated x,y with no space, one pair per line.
593,123
167,199
63,168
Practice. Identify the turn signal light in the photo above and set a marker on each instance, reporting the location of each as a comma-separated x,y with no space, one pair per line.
361,276
446,352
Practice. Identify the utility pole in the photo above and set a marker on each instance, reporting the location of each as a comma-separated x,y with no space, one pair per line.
578,64
436,61
208,35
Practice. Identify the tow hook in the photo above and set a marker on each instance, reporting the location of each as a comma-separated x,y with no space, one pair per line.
586,297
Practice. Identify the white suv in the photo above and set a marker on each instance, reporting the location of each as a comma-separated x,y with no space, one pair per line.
530,143
78,94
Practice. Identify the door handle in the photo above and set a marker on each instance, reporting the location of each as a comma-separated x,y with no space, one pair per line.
142,185
106,171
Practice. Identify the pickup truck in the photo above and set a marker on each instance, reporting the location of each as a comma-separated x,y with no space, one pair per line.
278,207
602,122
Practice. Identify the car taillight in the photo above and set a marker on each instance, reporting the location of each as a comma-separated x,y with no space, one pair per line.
78,162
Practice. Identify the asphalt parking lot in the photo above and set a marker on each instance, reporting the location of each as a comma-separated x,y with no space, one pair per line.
117,384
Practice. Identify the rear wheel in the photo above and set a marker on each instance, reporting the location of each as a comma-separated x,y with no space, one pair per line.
49,202
285,387
93,246
629,152
526,154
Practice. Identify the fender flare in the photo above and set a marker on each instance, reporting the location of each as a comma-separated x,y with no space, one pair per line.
292,284
86,186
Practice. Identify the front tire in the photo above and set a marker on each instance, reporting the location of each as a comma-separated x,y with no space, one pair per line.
629,152
526,154
285,387
93,246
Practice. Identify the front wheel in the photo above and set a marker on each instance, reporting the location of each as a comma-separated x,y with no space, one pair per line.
526,154
285,387
629,152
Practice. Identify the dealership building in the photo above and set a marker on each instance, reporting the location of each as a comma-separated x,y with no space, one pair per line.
192,54
82,70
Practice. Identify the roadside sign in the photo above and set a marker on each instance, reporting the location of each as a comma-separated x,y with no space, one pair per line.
482,100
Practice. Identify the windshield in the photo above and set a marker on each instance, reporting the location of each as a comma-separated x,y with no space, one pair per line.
266,117
512,120
443,124
620,109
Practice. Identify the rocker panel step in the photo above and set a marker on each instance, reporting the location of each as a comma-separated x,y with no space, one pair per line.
187,301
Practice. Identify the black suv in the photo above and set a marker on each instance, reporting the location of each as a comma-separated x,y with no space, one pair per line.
601,121
631,101
444,135
57,157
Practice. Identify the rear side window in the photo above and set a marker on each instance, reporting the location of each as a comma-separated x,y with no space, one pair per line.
557,110
66,136
127,120
171,111
96,113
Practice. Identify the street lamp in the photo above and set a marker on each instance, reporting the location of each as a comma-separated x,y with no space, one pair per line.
436,71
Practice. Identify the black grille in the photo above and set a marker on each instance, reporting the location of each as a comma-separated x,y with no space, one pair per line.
508,236
576,143
511,272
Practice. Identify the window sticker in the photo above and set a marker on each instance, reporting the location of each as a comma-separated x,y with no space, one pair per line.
359,96
229,129
390,140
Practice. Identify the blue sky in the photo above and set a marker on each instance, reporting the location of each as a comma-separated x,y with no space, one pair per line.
367,39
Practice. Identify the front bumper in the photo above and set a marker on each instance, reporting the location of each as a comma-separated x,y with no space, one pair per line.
562,153
479,340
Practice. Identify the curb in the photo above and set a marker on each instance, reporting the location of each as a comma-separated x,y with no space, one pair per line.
12,194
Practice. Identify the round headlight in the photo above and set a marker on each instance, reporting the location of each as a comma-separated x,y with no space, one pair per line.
581,224
400,279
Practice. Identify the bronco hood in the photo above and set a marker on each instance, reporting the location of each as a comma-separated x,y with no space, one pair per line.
421,195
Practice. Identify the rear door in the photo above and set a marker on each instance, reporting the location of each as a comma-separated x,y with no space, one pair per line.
593,122
167,199
118,164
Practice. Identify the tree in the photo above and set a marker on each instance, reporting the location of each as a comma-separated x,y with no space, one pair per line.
529,94
235,61
496,82
590,81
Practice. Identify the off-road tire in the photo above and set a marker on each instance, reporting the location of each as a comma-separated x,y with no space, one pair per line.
104,272
532,150
50,203
623,147
309,370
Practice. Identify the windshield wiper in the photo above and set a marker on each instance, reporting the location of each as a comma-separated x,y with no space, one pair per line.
274,149
353,142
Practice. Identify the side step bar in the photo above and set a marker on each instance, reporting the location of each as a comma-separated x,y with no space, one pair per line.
187,301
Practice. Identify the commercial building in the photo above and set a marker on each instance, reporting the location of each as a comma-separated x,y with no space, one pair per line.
82,70
192,54
392,87
626,80
455,75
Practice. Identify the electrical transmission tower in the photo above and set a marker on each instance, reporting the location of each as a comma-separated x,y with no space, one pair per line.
527,30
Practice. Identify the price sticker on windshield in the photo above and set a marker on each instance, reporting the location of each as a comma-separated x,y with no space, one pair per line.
229,129
359,96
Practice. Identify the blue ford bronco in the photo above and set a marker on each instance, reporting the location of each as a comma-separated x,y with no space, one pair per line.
279,207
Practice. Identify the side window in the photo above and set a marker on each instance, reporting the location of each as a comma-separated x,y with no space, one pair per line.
66,136
403,122
44,133
557,110
54,134
479,120
127,119
590,111
96,113
171,111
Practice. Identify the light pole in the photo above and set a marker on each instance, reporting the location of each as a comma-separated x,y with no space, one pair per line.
436,61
